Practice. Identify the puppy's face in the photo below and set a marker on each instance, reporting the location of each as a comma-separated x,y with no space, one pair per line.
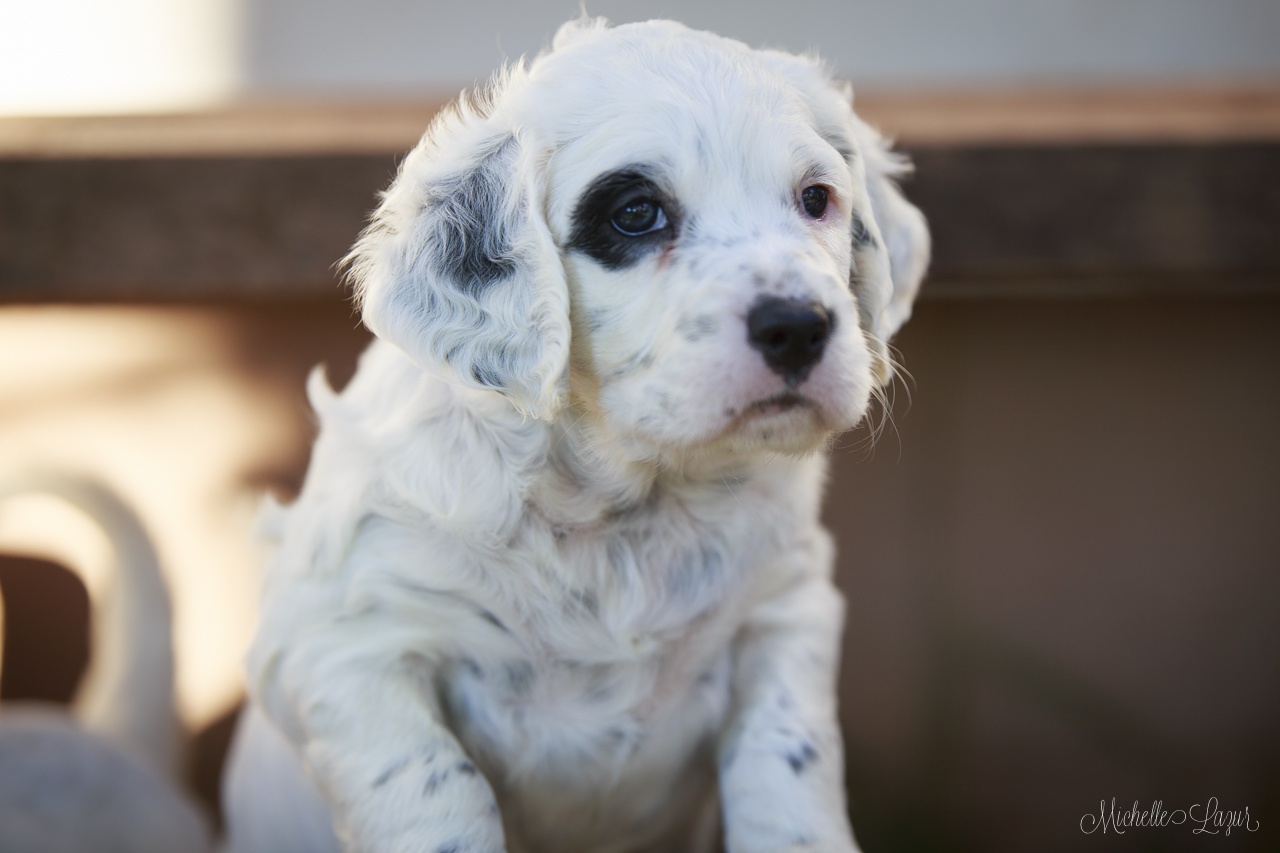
707,250
696,244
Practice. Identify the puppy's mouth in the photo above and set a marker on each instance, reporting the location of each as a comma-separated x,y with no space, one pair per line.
778,404
787,422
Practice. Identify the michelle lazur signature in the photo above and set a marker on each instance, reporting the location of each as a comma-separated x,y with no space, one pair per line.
1204,818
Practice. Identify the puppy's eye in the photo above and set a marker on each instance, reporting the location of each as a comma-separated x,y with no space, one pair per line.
639,217
814,200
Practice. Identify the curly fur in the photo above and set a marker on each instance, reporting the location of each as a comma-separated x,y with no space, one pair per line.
556,579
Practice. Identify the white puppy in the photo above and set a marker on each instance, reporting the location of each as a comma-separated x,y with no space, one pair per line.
556,580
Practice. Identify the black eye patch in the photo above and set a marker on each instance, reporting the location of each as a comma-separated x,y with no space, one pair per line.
624,217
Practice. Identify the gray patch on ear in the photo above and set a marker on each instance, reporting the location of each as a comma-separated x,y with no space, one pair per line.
486,375
866,317
470,245
861,234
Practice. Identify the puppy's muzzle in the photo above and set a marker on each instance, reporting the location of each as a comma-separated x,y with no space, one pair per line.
790,335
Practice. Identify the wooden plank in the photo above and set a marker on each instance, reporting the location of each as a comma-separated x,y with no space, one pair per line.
1200,217
244,130
1189,216
178,229
1057,117
256,129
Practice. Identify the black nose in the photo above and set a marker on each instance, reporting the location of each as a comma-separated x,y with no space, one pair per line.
790,334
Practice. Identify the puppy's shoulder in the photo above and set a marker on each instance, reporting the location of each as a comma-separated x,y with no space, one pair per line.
400,444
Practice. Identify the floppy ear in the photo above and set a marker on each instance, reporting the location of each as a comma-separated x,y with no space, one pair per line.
902,228
458,269
891,246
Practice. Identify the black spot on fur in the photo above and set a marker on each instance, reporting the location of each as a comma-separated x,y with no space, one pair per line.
466,768
593,232
488,616
634,363
519,676
694,329
450,848
471,245
390,773
802,757
597,320
434,781
587,600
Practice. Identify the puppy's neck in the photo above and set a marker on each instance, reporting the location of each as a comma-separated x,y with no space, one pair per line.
595,476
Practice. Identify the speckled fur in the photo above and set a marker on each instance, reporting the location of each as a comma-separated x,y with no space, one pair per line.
556,579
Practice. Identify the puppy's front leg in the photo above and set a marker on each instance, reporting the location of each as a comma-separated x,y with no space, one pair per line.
782,759
395,777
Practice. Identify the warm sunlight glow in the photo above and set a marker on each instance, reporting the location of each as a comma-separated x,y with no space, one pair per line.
151,402
104,56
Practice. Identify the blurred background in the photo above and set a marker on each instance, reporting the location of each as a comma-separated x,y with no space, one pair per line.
1062,554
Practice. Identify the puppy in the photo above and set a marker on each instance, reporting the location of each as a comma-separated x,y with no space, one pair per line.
556,579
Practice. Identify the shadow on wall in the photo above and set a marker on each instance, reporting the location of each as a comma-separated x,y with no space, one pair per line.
1059,563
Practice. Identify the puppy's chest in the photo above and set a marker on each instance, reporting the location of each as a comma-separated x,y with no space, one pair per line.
622,645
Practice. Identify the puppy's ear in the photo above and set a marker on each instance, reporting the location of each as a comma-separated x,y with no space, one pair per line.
904,232
891,246
458,268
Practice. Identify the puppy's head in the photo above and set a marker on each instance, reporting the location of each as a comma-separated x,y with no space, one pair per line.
696,243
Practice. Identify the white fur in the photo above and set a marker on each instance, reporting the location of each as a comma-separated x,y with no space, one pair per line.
556,579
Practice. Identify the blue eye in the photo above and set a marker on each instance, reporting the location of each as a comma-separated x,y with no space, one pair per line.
814,200
639,217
